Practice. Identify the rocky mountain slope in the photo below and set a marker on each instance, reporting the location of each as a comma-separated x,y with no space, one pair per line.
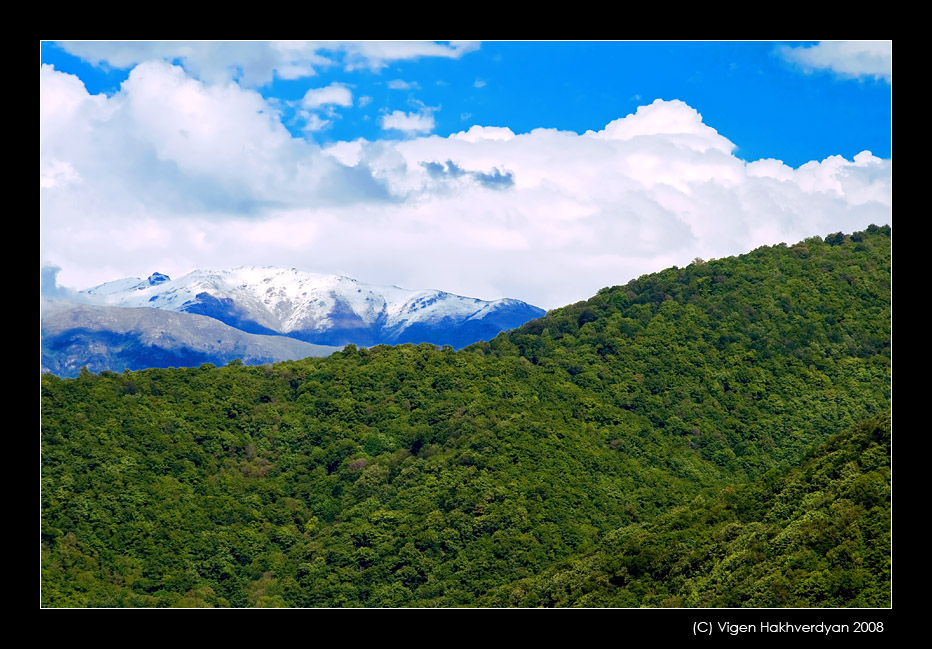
113,338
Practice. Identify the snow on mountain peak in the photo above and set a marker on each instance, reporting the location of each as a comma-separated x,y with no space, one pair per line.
288,299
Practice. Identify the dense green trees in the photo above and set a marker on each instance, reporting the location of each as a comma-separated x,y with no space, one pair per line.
585,458
816,535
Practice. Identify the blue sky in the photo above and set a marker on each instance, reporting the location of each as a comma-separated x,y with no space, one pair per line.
542,171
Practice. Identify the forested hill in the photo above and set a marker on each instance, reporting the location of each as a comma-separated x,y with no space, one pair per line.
417,476
734,339
815,535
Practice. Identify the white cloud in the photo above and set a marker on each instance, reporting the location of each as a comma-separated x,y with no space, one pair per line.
167,147
408,122
255,63
401,84
314,122
335,94
377,54
672,119
216,130
850,59
652,189
173,173
291,71
477,133
55,173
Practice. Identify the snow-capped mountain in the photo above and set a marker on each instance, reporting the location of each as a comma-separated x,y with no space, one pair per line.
321,309
114,338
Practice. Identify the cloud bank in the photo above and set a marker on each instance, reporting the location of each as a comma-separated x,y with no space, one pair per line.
174,173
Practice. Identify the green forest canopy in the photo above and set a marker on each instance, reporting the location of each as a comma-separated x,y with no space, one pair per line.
683,440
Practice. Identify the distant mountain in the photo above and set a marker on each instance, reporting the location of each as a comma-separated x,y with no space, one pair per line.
257,314
114,338
321,309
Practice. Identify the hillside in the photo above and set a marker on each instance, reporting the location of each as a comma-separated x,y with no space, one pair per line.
417,476
814,535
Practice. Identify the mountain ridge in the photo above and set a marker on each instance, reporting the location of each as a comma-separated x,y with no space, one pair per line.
262,313
320,308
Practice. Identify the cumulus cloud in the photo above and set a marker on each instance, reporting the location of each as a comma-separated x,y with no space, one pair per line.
476,133
851,59
335,94
168,147
652,189
329,99
415,122
173,173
